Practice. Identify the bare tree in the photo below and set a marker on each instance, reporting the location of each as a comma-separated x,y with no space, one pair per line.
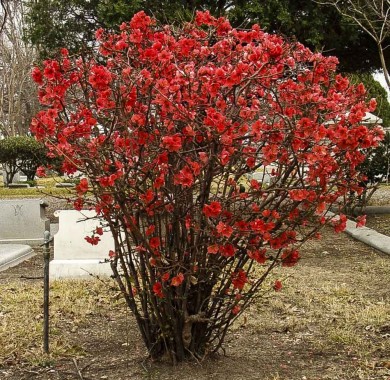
373,16
3,14
18,101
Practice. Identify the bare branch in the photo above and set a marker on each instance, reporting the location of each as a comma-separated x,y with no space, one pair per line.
18,102
372,16
2,2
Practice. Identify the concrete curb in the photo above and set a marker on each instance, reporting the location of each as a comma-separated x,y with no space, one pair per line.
369,237
14,254
366,235
370,210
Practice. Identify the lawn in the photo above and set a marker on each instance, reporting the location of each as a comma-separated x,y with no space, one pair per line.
331,320
45,187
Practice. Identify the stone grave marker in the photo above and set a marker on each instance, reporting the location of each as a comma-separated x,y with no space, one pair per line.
74,257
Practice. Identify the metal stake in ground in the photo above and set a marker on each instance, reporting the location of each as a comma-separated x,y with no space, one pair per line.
46,258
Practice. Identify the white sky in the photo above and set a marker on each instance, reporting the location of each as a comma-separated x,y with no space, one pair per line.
381,79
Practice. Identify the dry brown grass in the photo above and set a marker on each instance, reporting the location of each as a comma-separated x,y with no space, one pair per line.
331,313
330,321
72,303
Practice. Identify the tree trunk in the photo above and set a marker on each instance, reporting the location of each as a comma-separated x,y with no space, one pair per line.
384,66
9,172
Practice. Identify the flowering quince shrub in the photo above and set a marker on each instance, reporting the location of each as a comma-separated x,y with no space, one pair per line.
168,125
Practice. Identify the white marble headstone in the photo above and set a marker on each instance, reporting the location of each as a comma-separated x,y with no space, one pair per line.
74,257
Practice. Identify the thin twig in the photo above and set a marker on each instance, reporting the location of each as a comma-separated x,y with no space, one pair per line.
77,369
31,277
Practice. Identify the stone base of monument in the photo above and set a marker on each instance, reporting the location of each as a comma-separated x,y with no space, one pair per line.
14,254
79,269
32,242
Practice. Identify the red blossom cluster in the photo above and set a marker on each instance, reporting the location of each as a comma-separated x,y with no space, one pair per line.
210,149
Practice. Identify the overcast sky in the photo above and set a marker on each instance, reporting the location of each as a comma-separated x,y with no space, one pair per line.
381,79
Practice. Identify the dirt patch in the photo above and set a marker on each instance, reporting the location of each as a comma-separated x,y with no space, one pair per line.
380,223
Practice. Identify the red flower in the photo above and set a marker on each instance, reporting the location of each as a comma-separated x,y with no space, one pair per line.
298,194
258,255
93,240
203,157
41,171
225,157
290,257
154,242
37,75
64,52
99,230
160,181
148,196
82,187
224,229
177,280
100,77
78,204
361,221
215,119
372,105
172,143
251,162
150,230
239,279
258,225
194,166
141,21
242,225
227,250
213,249
339,223
158,290
212,210
162,158
277,285
255,185
52,70
184,177
205,18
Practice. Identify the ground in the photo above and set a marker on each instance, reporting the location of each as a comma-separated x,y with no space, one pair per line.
331,320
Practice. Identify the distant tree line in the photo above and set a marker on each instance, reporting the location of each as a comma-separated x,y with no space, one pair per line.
52,24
